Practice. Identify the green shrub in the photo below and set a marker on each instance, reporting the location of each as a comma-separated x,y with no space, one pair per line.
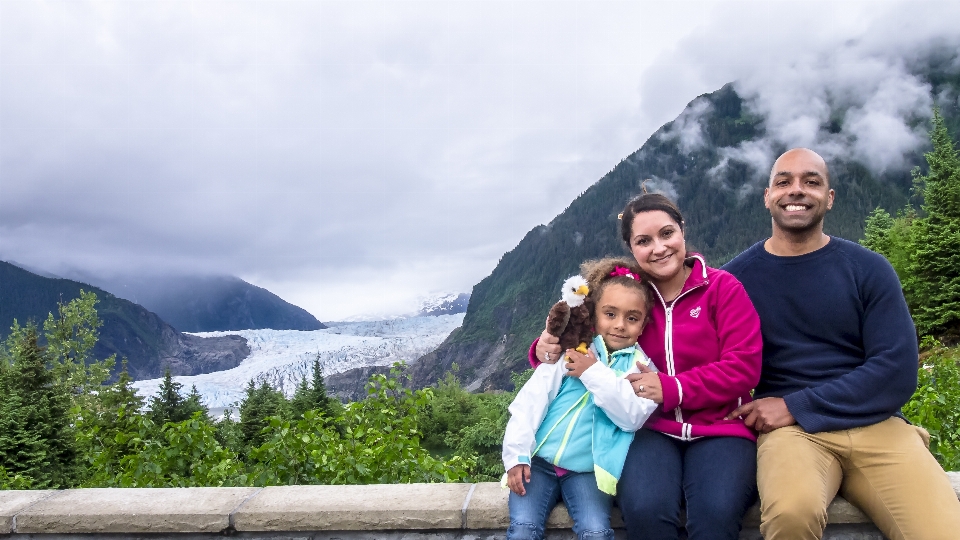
936,404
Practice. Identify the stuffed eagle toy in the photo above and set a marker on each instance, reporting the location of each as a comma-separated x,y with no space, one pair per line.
571,319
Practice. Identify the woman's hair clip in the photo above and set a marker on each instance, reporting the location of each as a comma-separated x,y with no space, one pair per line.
621,271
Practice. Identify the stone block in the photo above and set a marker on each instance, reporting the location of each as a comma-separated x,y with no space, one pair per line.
14,501
116,510
488,510
488,507
346,508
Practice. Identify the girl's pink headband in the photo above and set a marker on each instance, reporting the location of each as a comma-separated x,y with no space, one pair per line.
621,271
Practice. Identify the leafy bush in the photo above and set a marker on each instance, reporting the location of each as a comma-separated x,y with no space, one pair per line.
936,404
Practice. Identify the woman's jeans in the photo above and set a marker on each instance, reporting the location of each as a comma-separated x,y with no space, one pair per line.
715,476
588,506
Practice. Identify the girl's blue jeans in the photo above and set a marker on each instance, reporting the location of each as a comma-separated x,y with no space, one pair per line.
588,506
714,477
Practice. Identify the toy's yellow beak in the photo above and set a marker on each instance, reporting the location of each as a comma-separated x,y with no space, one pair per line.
583,290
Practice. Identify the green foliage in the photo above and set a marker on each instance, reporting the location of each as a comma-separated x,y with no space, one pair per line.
259,404
104,430
312,395
71,336
37,440
17,481
182,454
935,289
461,423
936,404
169,405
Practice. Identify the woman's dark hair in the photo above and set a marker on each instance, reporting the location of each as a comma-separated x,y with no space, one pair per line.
648,202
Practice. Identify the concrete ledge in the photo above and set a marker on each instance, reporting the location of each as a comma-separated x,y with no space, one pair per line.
347,508
161,510
400,512
15,502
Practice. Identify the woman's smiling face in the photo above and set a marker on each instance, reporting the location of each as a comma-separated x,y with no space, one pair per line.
657,244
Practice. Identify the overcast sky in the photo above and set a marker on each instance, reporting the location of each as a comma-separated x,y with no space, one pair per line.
355,156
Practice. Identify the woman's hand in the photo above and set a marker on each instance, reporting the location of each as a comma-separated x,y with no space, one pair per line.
516,477
646,384
548,348
577,362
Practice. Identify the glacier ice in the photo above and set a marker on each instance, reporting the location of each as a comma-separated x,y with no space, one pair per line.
283,358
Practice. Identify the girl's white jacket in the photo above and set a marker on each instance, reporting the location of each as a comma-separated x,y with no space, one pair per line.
611,393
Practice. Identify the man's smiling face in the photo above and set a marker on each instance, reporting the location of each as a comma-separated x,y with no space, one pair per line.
799,194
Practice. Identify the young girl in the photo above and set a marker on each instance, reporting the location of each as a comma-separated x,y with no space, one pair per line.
568,435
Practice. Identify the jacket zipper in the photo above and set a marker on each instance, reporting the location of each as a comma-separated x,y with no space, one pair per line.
668,335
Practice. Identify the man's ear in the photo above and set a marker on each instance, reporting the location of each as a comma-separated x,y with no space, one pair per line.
830,195
766,201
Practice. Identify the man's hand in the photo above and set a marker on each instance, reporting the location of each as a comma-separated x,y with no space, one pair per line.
516,477
577,363
765,414
646,384
548,348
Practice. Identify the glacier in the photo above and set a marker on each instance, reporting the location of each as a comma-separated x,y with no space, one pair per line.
282,358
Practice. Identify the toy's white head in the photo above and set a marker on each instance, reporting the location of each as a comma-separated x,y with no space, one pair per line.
574,290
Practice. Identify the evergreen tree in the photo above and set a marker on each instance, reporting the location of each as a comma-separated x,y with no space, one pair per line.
260,403
194,403
169,405
37,440
312,395
935,289
107,432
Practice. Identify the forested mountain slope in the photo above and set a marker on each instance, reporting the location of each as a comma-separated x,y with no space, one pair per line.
209,303
149,344
702,160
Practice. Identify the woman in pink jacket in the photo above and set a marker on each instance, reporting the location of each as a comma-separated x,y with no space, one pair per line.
704,337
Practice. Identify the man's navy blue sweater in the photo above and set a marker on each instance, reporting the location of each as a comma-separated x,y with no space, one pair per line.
839,344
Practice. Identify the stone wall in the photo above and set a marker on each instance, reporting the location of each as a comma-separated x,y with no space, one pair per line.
392,512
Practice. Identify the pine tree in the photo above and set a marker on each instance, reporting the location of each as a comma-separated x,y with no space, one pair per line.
935,287
168,405
193,404
259,403
37,439
107,432
312,395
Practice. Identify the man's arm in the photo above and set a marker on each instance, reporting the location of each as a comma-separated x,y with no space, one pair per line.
885,381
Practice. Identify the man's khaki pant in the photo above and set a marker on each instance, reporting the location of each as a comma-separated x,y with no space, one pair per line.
884,469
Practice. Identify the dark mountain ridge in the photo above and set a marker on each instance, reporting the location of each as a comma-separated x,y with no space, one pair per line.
209,303
720,197
149,344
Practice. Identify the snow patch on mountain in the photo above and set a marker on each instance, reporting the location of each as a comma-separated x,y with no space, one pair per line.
283,358
445,304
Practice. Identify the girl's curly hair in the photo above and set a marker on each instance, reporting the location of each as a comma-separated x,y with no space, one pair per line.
600,273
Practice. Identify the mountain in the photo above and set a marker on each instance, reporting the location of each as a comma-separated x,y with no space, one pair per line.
719,190
209,303
149,344
444,305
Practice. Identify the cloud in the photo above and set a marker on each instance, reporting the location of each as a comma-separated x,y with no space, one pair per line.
799,64
355,156
687,129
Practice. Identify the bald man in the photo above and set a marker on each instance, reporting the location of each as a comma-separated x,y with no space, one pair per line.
840,359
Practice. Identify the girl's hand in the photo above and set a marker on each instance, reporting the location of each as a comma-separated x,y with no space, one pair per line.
516,477
646,384
577,363
548,348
